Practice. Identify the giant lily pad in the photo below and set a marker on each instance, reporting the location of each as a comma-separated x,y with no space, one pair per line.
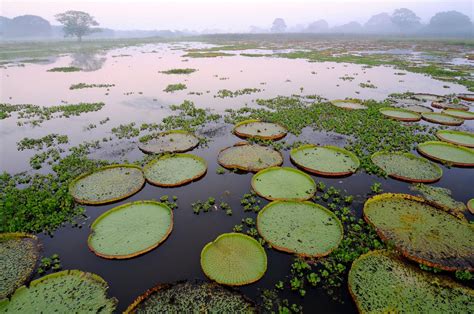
422,232
448,105
234,259
130,229
467,97
382,282
442,198
470,205
441,118
428,97
249,157
456,137
325,160
461,114
303,228
176,141
191,297
283,183
348,104
18,256
175,170
417,108
448,153
69,291
400,114
407,167
259,129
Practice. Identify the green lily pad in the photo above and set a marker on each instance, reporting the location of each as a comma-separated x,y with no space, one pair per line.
283,183
400,114
461,114
422,232
249,157
348,104
441,118
130,230
191,297
456,137
467,97
440,197
447,105
303,228
470,205
418,108
18,256
107,184
68,291
234,259
175,170
428,97
382,282
176,141
259,129
448,153
407,167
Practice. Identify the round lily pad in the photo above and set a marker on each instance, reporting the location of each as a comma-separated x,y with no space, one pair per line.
461,114
130,230
470,205
441,118
456,137
447,105
422,232
418,108
467,97
448,153
428,97
68,291
192,297
259,129
175,170
18,256
303,228
249,157
283,183
400,114
325,160
407,167
176,141
234,259
107,184
348,104
382,282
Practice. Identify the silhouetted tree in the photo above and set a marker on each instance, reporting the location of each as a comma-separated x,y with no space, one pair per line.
27,26
278,26
318,27
405,19
77,23
453,20
380,23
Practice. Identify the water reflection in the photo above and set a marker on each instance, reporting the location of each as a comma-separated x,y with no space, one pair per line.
88,61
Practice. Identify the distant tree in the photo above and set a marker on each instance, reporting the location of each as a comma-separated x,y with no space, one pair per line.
450,20
77,23
27,26
380,23
317,27
405,19
278,26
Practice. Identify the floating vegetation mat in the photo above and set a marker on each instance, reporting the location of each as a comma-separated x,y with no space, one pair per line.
107,184
249,157
456,137
303,228
283,183
441,118
192,297
422,232
348,104
407,167
418,108
400,114
176,141
461,114
440,197
18,255
175,170
428,97
68,291
130,230
325,160
448,153
467,97
446,105
259,129
382,282
234,259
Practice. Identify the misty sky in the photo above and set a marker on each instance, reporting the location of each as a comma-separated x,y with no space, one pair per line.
230,15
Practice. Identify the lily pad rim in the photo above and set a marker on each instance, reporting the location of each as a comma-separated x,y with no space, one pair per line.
466,96
462,164
355,100
239,166
450,112
428,116
441,105
416,115
140,146
440,132
244,135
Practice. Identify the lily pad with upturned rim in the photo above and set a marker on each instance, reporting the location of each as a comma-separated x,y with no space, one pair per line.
259,129
417,108
400,114
428,97
470,205
456,137
441,118
440,197
248,157
447,153
447,105
461,114
467,97
130,230
176,141
351,104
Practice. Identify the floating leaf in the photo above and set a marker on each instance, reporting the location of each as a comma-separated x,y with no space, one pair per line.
456,137
400,114
348,104
259,129
176,141
441,118
447,152
249,157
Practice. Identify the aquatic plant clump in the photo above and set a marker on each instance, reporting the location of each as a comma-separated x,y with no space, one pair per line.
448,105
259,129
400,114
234,259
176,141
191,297
440,197
348,104
247,157
382,282
441,118
19,253
283,183
456,137
107,184
175,170
461,114
303,228
407,167
325,160
447,153
68,291
422,232
130,230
